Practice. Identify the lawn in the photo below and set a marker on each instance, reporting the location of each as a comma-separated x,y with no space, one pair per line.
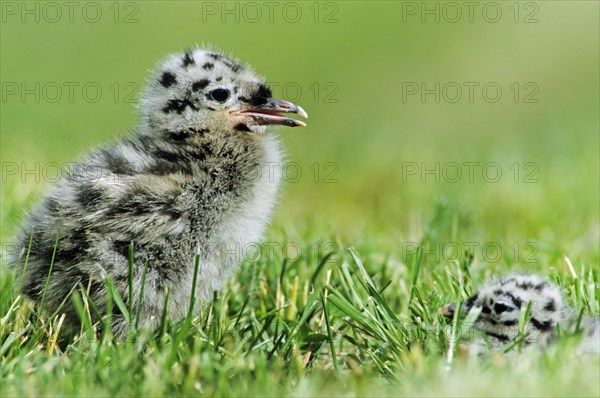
445,145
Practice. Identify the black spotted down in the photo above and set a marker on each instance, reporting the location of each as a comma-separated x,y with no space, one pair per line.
543,326
177,105
117,164
500,337
259,97
52,204
135,202
208,66
264,91
550,306
122,247
188,59
90,196
165,155
182,135
167,79
235,67
525,285
516,301
178,135
163,167
200,84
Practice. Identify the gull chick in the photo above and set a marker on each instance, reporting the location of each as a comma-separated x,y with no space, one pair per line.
501,302
190,182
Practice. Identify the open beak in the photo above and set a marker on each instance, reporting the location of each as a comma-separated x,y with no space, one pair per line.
271,113
448,310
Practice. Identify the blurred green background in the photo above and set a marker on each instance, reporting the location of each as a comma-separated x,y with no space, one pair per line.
353,63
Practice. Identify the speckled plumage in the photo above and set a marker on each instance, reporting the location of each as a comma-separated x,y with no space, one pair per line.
191,179
501,301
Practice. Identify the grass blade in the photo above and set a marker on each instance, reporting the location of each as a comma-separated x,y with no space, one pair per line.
141,295
130,282
49,274
329,334
194,283
117,299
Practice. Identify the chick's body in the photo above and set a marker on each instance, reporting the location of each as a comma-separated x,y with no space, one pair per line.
501,303
190,182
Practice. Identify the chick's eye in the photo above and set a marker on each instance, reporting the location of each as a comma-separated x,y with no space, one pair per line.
499,308
220,94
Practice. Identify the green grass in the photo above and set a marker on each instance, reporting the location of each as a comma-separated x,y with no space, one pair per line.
333,321
344,322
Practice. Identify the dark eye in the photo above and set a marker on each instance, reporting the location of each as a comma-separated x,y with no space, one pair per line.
499,308
220,94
